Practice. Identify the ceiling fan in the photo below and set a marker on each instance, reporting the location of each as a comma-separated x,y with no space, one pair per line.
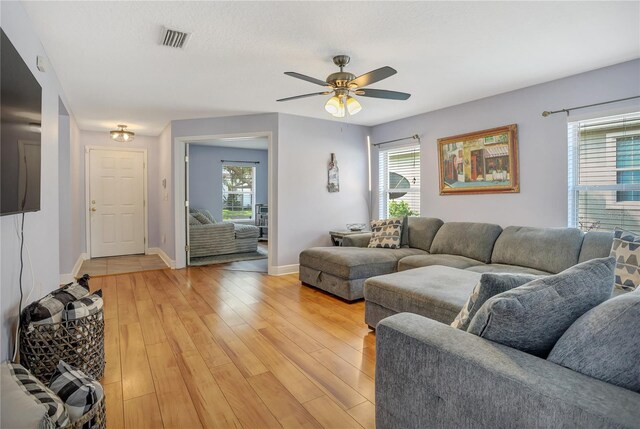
343,84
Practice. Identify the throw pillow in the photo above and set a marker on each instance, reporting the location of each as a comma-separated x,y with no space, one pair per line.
49,309
626,250
202,218
490,284
78,391
83,307
605,343
208,215
386,233
404,236
534,316
55,407
193,220
18,409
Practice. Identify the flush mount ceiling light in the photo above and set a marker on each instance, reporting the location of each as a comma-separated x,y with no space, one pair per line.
342,84
122,135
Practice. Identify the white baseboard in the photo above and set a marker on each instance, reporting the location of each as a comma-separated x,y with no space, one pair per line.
281,270
70,277
167,260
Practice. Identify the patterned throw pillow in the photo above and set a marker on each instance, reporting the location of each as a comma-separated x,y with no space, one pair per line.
83,307
626,250
386,233
55,407
49,309
490,284
78,391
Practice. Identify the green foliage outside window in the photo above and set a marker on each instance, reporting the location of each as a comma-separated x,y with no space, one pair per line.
400,208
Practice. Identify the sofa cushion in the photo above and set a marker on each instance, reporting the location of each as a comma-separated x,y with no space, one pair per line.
503,268
545,249
386,233
454,261
422,230
490,284
354,262
56,410
596,244
605,343
534,316
473,240
435,292
78,391
626,250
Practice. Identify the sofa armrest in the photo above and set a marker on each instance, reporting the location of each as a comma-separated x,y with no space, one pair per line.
211,239
429,374
356,240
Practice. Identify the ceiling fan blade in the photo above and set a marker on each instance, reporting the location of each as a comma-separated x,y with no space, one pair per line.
304,96
307,78
373,77
383,93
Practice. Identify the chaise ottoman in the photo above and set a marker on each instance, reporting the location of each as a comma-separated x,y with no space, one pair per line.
343,270
436,292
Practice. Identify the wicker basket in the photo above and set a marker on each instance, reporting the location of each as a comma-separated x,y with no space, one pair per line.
96,418
79,342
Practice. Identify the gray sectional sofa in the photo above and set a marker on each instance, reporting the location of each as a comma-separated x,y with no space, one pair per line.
430,375
467,246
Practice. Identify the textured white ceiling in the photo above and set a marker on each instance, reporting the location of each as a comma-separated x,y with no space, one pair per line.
113,70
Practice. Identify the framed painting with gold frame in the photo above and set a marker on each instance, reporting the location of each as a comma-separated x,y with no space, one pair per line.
482,162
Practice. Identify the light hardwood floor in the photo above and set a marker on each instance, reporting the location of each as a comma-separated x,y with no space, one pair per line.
213,348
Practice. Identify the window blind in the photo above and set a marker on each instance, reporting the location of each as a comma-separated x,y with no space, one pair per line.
399,182
604,173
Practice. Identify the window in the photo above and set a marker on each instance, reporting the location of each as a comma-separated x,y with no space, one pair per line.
238,190
399,182
604,173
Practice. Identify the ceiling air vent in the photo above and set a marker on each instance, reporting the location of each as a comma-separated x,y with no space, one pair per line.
174,38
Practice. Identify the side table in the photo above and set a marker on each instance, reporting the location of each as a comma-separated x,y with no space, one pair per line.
337,236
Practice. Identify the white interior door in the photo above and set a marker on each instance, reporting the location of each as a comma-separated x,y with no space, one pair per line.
116,202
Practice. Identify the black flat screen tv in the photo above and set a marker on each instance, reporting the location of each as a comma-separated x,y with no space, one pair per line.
20,138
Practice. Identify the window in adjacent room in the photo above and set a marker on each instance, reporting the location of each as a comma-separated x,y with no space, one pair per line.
604,173
399,182
238,191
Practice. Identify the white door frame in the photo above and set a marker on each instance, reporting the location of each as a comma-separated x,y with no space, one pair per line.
87,193
179,193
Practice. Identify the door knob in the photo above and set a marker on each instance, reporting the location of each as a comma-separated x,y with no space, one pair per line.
93,209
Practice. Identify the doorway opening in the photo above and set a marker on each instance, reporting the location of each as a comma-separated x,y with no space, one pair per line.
226,209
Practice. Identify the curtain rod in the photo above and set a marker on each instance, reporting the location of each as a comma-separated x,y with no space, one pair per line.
553,112
246,162
413,137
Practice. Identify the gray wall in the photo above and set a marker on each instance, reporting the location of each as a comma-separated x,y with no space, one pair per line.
205,175
264,123
154,188
542,200
67,258
306,210
41,228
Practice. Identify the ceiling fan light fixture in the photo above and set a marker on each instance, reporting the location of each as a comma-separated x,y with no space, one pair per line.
122,134
353,105
333,105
